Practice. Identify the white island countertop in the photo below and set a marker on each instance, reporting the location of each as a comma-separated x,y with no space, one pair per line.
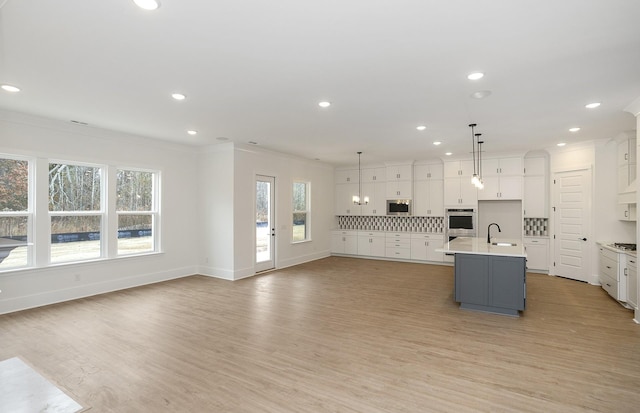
469,245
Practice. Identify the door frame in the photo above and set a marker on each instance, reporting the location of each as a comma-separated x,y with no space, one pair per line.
591,277
269,264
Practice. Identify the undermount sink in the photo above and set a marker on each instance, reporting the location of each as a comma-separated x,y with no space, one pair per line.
503,244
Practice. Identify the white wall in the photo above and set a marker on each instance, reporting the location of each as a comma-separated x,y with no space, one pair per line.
507,214
43,138
238,218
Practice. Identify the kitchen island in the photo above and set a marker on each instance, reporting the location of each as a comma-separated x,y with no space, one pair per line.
489,277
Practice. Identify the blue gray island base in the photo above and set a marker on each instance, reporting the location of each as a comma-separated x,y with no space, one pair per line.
490,283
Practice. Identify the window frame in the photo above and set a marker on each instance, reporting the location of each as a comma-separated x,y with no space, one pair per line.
306,211
101,212
28,213
154,212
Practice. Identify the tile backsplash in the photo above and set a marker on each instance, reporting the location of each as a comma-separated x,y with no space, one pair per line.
536,227
391,223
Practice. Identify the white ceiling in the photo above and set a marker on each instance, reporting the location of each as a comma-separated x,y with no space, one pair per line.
254,70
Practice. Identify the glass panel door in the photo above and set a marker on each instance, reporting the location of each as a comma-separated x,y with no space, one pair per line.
265,223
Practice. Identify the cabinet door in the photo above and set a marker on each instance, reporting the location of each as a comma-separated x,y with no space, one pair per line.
535,166
364,245
472,279
399,189
626,212
511,166
337,243
376,192
419,249
399,172
491,190
468,192
378,246
510,187
374,175
436,198
347,176
344,199
351,244
537,255
632,282
432,245
506,285
452,191
420,198
452,169
466,169
490,167
535,197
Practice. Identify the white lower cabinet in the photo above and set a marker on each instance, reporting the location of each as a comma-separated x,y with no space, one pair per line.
371,244
632,281
612,273
537,254
423,247
344,242
398,245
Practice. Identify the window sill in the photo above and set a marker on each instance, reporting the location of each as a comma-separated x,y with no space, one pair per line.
301,242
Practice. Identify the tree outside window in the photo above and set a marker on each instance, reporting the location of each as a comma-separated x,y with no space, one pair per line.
300,211
137,215
15,213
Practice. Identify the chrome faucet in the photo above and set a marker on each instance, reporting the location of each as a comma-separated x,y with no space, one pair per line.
489,231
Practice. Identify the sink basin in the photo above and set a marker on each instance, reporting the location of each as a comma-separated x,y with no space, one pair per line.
504,244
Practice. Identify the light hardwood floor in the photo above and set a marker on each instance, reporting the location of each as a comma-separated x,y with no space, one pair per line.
334,335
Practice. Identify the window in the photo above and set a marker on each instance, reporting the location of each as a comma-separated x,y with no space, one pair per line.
136,209
301,211
76,211
15,213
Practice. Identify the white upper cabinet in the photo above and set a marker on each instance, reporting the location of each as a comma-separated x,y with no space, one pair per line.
428,190
536,195
347,176
423,172
374,174
502,166
403,172
376,192
458,169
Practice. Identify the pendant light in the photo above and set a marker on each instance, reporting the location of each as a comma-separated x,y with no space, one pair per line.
357,198
474,178
480,184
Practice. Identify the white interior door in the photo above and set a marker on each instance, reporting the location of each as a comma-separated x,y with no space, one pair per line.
265,223
572,224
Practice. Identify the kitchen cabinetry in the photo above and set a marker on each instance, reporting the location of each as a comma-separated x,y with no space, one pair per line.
632,281
490,283
428,190
535,198
347,176
371,244
344,199
537,254
374,186
398,245
502,179
423,247
344,242
458,189
399,181
611,273
626,175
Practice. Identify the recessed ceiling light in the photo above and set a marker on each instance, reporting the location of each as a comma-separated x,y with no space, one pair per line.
192,132
178,96
592,105
421,127
448,153
324,104
574,129
481,94
147,4
437,143
561,144
475,76
10,88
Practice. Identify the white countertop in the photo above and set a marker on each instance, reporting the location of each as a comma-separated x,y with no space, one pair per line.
607,245
468,245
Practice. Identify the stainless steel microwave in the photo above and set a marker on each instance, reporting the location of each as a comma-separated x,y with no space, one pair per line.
461,222
398,207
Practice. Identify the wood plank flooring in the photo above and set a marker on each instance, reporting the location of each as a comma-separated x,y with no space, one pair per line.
334,335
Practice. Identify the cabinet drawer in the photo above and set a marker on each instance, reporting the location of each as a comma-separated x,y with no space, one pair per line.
428,237
612,255
403,243
609,267
610,286
395,252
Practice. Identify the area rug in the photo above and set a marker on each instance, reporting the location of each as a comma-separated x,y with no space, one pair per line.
24,390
